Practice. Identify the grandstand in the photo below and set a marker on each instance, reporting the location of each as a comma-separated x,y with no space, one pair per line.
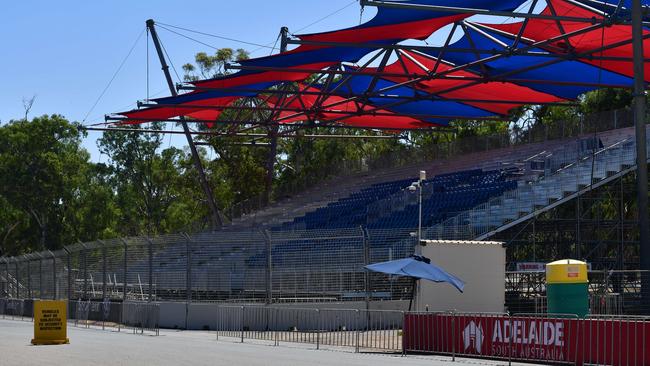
379,199
313,246
317,253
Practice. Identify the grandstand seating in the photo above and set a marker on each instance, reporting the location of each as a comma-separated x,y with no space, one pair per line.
331,190
442,195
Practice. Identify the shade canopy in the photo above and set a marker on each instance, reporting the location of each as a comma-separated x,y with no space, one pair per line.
417,267
379,75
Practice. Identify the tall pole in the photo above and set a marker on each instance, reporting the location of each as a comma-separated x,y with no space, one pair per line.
420,214
273,134
641,151
423,177
215,218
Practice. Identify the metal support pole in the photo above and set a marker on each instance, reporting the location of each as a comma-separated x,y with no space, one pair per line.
29,279
366,273
273,134
188,282
85,271
641,149
215,217
104,269
5,282
54,295
420,212
150,247
69,272
269,267
17,279
125,271
40,276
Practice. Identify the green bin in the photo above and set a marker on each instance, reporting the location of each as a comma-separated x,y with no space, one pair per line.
567,287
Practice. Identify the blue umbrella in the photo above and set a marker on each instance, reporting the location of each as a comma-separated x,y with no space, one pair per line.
417,267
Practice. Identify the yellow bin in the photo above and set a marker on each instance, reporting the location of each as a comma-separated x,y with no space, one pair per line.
567,287
50,322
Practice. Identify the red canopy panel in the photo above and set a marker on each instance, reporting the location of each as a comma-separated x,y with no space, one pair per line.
335,111
138,116
542,29
415,63
244,79
421,29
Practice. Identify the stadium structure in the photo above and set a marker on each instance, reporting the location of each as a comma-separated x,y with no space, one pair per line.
543,198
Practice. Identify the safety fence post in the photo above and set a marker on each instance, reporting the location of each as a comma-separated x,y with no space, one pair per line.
242,324
453,336
357,332
318,328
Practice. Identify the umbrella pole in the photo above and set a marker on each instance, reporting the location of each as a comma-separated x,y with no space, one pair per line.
413,286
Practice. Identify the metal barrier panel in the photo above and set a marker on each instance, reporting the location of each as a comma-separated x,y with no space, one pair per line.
381,330
347,328
141,317
230,321
117,316
615,341
296,325
17,309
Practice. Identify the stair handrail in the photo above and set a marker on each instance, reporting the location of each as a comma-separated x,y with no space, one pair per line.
490,203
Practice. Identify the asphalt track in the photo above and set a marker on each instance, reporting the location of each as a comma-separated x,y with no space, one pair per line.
97,347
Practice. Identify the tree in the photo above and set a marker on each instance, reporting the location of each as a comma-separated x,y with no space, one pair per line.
42,174
155,188
212,66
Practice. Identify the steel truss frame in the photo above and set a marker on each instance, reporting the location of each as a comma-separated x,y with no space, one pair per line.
580,229
288,94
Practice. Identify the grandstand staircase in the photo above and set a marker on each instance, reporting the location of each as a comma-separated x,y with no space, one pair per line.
10,283
533,198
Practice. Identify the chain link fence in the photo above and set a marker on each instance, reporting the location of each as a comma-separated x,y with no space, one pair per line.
253,266
611,292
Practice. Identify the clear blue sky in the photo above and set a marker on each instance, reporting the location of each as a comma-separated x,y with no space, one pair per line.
65,52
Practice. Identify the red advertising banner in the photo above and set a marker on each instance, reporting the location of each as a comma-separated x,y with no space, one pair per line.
542,339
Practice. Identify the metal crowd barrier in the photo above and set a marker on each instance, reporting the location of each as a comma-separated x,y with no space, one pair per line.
541,338
17,309
344,328
137,317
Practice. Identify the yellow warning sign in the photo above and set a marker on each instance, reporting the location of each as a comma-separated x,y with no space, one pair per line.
50,322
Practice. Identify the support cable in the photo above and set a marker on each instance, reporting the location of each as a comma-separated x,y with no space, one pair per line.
164,25
147,67
171,63
110,82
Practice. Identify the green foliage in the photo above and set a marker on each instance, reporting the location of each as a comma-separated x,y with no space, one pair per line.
210,66
152,185
43,177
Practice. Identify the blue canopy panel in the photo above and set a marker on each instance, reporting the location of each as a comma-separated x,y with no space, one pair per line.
390,16
297,57
533,68
610,6
389,26
359,84
192,97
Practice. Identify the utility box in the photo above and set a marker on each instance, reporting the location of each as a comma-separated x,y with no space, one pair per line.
567,287
480,264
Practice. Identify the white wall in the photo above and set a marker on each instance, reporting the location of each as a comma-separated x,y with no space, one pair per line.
481,265
203,316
